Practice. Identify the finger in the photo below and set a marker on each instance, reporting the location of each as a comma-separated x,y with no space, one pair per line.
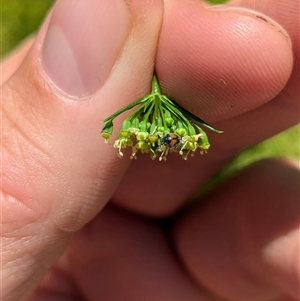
242,243
121,257
194,59
283,111
12,62
56,171
217,61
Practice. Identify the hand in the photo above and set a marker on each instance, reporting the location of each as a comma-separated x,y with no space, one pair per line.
230,66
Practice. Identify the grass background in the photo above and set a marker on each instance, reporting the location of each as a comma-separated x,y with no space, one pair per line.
19,18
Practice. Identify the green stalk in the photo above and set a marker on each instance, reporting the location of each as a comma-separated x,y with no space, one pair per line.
192,116
128,107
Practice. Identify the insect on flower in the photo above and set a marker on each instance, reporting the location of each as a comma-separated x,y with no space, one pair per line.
171,140
158,126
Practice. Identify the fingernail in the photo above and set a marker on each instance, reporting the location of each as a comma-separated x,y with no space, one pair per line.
83,43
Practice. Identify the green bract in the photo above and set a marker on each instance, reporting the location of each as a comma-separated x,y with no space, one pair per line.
157,126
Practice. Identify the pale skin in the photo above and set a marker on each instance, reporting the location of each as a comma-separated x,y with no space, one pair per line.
238,70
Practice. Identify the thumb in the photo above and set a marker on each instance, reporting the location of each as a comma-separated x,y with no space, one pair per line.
89,58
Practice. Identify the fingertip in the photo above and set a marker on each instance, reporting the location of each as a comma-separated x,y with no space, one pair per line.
221,63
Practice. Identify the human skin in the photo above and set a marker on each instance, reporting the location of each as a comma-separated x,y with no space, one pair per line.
235,68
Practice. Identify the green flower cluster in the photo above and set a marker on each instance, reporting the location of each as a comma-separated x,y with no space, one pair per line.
158,126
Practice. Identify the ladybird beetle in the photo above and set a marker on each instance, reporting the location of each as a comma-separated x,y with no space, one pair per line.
171,140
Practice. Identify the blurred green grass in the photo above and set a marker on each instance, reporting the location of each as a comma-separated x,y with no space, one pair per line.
19,18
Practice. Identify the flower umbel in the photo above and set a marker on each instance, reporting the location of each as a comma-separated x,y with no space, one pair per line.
158,126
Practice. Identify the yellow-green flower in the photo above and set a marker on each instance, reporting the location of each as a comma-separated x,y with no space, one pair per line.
158,126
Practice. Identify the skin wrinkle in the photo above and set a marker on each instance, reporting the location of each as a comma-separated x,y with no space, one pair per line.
22,197
17,262
30,211
23,141
31,257
11,226
66,222
27,241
